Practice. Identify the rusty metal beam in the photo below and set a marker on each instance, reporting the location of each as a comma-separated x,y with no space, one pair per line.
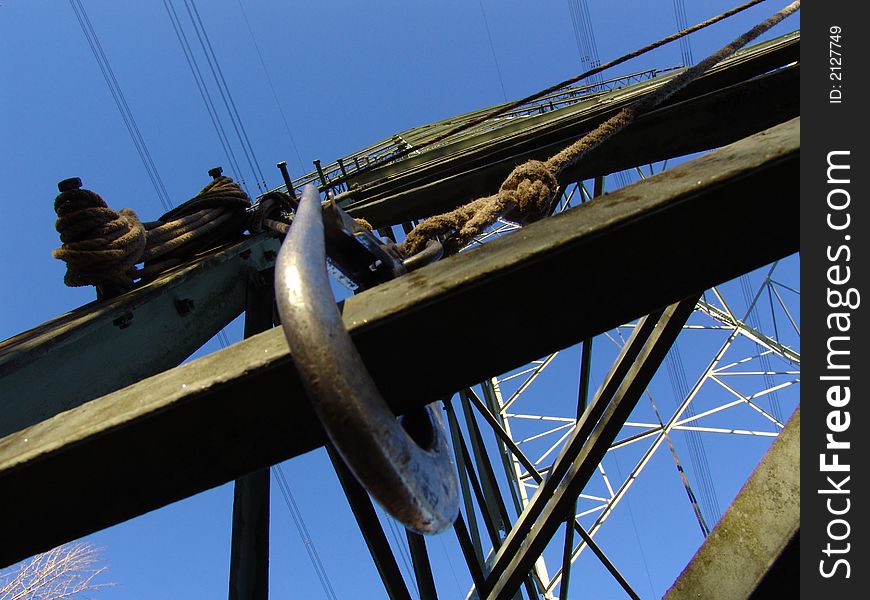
558,281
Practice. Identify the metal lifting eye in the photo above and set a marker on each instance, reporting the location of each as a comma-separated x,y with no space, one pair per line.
404,464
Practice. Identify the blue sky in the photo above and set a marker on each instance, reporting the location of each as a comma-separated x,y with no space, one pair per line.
345,75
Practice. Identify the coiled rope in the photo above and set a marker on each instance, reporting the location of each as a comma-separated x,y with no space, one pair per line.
530,187
101,246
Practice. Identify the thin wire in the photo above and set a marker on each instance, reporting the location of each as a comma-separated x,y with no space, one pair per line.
227,96
271,86
223,339
230,96
208,59
121,102
697,453
401,547
492,49
592,46
203,91
581,37
575,25
587,45
636,533
307,540
450,564
693,499
159,187
685,43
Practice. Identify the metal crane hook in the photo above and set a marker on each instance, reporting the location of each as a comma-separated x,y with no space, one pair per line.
413,478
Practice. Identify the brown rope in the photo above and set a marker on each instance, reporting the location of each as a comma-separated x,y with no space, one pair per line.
222,192
530,187
215,214
101,246
365,224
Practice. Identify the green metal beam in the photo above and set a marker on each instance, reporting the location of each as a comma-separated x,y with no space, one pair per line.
106,345
558,281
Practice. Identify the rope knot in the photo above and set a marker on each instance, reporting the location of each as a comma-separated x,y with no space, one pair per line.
530,186
100,246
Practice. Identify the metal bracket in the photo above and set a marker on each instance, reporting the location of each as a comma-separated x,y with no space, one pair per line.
356,251
403,463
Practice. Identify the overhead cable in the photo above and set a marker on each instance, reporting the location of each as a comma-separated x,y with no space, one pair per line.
685,42
226,95
492,49
271,86
301,528
204,93
121,102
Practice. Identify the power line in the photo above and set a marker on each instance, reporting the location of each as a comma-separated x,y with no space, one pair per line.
307,540
492,49
503,109
636,533
584,34
764,359
402,552
226,95
685,42
271,86
204,93
693,500
121,102
708,498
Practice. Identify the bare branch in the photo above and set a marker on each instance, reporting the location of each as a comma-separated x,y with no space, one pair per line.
60,573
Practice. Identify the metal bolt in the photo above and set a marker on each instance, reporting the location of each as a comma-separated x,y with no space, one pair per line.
324,183
282,166
73,183
216,172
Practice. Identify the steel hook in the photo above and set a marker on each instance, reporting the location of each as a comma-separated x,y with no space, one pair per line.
406,466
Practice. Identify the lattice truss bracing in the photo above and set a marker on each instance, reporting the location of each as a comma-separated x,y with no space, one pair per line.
728,385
